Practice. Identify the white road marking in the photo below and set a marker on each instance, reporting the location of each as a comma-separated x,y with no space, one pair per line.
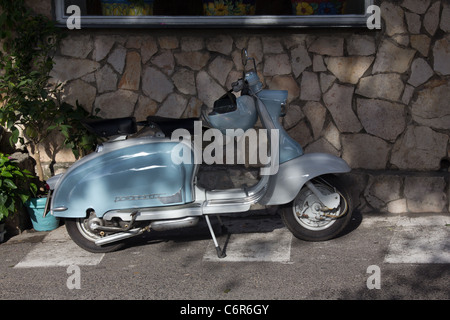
274,246
420,240
58,250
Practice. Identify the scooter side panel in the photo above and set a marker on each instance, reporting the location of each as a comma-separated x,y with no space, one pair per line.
293,174
288,147
136,176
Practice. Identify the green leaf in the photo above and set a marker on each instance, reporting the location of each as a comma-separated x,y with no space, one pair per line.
6,174
10,184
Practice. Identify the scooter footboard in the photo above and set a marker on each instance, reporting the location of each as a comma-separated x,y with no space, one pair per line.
293,174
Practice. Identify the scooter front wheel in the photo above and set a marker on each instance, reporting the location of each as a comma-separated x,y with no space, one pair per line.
85,238
306,216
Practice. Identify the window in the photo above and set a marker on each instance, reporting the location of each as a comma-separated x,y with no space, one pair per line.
221,13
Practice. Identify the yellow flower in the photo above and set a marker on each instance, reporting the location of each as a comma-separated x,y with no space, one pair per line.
304,8
221,9
241,9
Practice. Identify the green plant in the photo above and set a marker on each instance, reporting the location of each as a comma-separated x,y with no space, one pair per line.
16,186
29,103
77,137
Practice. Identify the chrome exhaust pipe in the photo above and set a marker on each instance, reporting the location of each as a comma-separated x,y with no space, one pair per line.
164,225
119,236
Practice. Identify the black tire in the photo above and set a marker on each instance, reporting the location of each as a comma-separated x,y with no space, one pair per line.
299,215
85,239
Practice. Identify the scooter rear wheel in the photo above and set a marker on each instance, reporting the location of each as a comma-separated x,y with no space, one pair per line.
305,217
85,238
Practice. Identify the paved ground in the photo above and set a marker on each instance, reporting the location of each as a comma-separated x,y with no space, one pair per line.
379,257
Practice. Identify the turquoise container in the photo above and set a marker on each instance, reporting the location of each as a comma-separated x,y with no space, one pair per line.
36,207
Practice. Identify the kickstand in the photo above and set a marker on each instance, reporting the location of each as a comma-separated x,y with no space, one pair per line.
220,253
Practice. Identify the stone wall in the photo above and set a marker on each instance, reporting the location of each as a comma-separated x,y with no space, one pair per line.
379,99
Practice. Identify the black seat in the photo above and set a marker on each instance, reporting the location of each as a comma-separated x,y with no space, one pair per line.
111,127
169,125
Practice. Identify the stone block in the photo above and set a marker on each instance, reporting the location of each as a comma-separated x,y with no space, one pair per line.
208,89
316,113
365,151
359,45
417,6
272,45
431,108
384,119
349,69
194,60
131,77
222,44
285,82
165,62
397,206
392,58
421,43
102,46
117,58
338,101
393,17
441,54
81,91
184,80
431,18
173,106
381,86
293,115
445,17
322,146
419,149
145,107
420,72
382,190
192,43
116,104
277,64
310,89
318,64
155,84
193,109
326,80
148,49
106,79
66,69
425,194
332,135
328,46
77,46
413,21
168,42
300,60
219,68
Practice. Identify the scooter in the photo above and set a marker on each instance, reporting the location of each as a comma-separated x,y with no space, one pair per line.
131,183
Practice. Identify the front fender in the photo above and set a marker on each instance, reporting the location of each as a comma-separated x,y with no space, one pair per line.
293,174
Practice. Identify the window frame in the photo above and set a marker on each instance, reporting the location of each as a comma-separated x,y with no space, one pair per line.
257,21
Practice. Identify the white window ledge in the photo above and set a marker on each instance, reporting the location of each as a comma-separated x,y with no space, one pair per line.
257,21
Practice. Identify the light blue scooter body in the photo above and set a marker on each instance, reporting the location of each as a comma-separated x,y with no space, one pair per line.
140,172
288,147
125,174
